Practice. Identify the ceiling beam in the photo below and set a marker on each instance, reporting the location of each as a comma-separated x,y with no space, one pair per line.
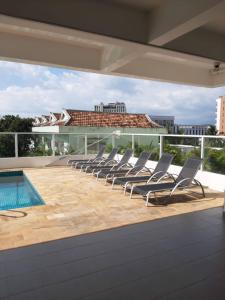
168,71
115,57
175,18
201,42
38,51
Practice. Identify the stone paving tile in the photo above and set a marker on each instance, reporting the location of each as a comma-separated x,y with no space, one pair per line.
78,204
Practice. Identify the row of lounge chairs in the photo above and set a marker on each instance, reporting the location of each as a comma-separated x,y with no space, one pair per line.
131,176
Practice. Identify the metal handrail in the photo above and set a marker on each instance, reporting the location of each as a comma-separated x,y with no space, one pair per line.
121,134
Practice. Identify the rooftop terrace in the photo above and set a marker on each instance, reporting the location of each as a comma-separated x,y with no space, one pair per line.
92,242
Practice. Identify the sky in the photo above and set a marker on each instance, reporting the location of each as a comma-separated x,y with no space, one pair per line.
32,90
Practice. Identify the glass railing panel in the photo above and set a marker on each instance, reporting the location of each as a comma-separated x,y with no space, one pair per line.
108,141
7,145
95,140
182,148
122,142
69,144
34,144
214,155
147,143
75,144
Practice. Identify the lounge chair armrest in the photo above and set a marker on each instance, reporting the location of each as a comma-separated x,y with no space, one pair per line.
173,176
182,181
97,159
179,184
150,170
134,169
110,162
155,174
122,166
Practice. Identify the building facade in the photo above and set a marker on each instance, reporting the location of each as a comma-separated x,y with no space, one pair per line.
193,129
165,121
220,117
114,107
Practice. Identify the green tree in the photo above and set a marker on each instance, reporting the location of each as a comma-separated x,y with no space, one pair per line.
212,130
10,123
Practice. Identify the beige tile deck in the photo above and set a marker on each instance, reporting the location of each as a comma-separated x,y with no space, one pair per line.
77,204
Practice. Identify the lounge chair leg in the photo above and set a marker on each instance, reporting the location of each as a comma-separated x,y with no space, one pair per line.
147,199
125,188
201,186
131,191
113,182
107,176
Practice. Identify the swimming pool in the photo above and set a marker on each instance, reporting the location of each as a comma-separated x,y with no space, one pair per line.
16,191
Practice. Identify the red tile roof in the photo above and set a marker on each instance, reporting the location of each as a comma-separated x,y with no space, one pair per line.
99,119
57,115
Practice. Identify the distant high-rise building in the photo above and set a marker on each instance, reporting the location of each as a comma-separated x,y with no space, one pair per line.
116,107
220,117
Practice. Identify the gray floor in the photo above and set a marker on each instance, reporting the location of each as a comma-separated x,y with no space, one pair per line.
180,257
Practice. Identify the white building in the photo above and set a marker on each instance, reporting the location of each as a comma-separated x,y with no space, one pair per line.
114,107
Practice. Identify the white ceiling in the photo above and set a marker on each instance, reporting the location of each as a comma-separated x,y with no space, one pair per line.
171,40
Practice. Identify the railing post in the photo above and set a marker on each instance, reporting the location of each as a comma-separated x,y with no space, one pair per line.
133,144
85,144
16,145
113,141
202,151
53,144
161,146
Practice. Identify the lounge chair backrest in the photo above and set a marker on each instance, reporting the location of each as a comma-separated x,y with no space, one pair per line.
112,154
100,151
189,170
142,159
124,160
163,164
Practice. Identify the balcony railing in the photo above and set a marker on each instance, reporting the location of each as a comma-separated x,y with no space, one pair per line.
211,149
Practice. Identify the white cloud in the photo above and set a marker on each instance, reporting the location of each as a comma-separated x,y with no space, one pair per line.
33,90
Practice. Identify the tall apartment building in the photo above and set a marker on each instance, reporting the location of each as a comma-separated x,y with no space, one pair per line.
117,107
220,117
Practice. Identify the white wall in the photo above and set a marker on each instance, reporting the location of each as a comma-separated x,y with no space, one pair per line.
211,180
35,162
46,129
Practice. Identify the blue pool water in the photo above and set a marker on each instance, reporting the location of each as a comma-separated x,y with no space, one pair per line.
16,191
